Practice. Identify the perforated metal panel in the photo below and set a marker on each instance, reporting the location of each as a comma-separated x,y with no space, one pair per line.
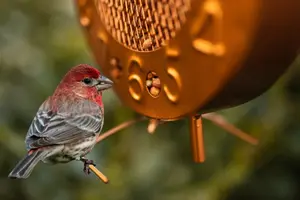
143,25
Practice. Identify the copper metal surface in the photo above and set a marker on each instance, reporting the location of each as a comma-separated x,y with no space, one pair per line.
197,141
208,54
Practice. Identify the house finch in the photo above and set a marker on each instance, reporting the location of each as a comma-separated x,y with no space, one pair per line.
67,124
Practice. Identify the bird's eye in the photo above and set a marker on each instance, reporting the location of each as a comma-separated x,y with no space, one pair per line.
87,81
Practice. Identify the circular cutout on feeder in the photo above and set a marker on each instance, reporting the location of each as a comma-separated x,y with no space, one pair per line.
153,84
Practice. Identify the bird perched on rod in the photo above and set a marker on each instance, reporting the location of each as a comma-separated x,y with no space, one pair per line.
68,123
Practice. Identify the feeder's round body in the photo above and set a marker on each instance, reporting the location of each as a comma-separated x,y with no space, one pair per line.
208,54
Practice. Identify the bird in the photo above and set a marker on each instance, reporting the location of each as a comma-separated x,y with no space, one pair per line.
67,124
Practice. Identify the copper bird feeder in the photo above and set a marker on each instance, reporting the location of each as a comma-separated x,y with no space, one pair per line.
206,54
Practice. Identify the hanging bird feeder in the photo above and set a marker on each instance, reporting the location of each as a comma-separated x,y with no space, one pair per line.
172,59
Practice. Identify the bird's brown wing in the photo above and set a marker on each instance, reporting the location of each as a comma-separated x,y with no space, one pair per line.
68,124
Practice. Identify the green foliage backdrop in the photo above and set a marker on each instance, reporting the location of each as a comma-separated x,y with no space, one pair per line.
41,40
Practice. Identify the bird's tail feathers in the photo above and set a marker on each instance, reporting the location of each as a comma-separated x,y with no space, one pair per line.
24,168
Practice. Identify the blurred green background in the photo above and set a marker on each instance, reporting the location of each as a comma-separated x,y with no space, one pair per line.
41,40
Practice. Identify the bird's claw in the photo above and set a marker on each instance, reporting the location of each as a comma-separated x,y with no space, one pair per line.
86,167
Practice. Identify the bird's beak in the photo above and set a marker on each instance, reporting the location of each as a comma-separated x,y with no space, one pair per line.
104,83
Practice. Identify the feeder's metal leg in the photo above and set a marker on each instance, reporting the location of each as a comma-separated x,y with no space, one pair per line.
197,141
